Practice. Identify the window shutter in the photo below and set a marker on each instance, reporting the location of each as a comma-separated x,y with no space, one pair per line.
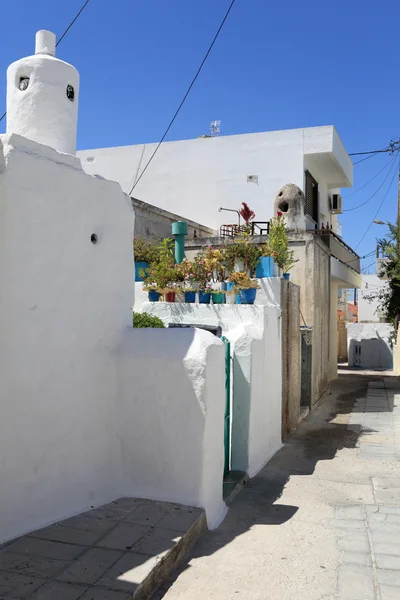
311,196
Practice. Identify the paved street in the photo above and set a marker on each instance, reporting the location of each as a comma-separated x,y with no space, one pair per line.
322,520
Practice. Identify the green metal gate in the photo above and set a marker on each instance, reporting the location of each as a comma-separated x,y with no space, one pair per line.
227,420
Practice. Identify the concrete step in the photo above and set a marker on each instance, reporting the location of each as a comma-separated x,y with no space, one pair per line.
125,549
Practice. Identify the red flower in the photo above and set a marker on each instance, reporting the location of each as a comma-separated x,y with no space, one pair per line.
247,213
279,213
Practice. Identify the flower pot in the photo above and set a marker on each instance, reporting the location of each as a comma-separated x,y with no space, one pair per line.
154,296
190,297
170,296
230,298
286,276
218,298
266,267
223,286
140,265
248,296
204,297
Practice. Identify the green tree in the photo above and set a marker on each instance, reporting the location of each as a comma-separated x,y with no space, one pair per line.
388,297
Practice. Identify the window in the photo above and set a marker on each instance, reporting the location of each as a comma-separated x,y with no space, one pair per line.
70,93
311,195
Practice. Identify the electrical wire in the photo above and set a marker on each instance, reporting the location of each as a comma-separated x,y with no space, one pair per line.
366,158
368,182
379,207
360,257
63,35
376,191
184,97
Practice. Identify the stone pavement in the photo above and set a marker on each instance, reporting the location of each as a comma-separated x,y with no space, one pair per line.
116,552
322,520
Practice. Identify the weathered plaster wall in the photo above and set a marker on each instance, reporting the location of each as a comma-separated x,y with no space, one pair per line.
333,332
312,274
63,303
254,332
370,345
291,357
151,221
171,419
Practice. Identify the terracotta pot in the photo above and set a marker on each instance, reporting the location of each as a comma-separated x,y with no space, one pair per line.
170,297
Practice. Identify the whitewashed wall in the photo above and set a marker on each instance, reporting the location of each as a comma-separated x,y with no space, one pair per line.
375,343
254,332
70,384
171,417
369,311
194,178
63,304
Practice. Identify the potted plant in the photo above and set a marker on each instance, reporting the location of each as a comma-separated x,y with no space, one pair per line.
288,264
160,278
242,254
231,294
205,294
275,250
218,296
189,286
246,287
146,252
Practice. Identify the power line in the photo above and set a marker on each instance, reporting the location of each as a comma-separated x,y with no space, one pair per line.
63,35
366,158
184,97
360,257
376,191
369,181
379,208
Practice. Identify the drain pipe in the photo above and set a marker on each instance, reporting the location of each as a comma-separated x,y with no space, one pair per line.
179,230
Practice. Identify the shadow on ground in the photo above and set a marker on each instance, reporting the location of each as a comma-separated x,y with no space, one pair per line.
318,438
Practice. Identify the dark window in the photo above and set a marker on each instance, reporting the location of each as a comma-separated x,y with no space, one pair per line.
70,93
311,195
23,83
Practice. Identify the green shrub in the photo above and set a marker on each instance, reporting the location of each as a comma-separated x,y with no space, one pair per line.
146,320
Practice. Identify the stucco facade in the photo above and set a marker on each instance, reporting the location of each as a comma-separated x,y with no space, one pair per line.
196,177
368,299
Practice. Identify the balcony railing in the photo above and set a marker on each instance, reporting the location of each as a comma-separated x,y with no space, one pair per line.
256,228
339,249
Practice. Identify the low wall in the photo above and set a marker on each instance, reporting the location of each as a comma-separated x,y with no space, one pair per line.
370,345
171,417
254,333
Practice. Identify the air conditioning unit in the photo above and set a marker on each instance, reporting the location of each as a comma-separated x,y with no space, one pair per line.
336,204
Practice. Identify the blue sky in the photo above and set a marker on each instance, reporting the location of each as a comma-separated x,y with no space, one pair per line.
276,65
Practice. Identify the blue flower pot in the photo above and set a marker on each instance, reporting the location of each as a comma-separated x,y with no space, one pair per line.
138,266
286,276
204,297
154,296
266,267
229,286
248,296
190,297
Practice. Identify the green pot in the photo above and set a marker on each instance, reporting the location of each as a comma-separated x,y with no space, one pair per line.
218,298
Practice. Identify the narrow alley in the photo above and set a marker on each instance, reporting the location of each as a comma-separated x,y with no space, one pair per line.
322,519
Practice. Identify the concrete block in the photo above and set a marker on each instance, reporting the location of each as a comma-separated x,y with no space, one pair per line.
45,548
18,586
37,566
55,590
356,558
124,536
386,561
349,512
354,542
389,592
90,566
356,583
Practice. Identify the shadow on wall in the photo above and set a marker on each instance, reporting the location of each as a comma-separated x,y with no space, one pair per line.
317,439
370,353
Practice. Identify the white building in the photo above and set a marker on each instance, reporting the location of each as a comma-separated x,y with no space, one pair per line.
369,310
196,177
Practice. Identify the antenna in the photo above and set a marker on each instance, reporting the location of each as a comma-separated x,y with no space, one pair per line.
215,128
